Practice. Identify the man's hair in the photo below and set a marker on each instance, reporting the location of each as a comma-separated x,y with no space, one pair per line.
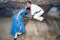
28,2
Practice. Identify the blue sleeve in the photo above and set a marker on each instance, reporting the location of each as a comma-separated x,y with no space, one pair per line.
24,11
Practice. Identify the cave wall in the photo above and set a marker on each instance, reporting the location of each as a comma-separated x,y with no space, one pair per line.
45,4
39,2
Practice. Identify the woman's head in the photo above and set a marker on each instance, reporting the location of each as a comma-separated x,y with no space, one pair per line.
22,6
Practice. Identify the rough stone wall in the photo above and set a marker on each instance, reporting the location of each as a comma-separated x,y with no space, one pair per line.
39,2
55,2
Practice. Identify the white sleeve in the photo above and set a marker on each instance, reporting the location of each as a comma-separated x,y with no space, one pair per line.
32,10
32,13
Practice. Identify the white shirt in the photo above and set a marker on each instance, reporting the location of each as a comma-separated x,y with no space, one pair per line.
35,8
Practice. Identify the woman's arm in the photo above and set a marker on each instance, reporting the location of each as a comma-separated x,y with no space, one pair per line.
19,14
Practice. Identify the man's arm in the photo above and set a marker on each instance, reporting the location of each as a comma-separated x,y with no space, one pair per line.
32,13
31,16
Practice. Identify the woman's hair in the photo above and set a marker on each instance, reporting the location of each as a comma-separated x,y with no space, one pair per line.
22,5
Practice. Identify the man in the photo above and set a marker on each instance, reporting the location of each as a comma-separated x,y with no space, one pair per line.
36,11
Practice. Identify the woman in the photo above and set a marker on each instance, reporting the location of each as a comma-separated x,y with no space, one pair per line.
17,26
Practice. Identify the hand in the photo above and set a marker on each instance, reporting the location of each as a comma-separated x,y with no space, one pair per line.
29,21
31,17
17,18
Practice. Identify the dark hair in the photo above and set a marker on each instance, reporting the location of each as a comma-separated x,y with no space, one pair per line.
28,2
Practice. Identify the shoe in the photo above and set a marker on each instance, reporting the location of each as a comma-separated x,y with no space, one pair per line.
19,34
15,38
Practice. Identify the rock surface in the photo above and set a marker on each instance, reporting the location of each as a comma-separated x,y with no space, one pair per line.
39,2
54,12
35,30
39,31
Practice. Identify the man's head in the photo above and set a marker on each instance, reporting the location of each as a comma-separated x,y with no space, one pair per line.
28,3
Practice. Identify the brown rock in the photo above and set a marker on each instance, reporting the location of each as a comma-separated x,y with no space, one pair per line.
39,31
